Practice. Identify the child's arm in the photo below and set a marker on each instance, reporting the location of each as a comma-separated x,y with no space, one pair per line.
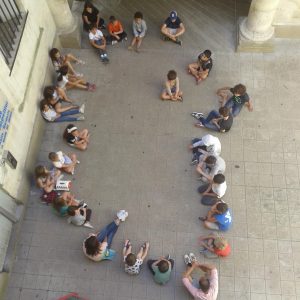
249,105
177,87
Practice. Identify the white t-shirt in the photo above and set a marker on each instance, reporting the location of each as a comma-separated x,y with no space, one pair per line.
50,114
61,160
219,167
219,189
63,82
212,143
97,36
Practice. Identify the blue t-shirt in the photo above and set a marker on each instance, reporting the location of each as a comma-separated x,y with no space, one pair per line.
173,25
224,220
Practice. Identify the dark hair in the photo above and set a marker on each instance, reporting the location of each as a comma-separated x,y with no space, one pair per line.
43,103
239,89
138,15
224,111
210,160
39,171
207,53
92,246
222,207
92,26
66,133
88,4
52,54
52,155
63,70
71,210
163,266
219,178
130,259
204,284
172,75
112,18
48,92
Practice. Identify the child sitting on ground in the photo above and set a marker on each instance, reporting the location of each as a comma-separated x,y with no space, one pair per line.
213,246
133,262
64,162
116,31
161,269
80,216
76,138
139,28
65,82
171,91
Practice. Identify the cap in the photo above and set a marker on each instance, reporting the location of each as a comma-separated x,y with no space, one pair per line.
69,130
173,14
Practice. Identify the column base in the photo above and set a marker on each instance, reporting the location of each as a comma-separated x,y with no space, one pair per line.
71,39
247,45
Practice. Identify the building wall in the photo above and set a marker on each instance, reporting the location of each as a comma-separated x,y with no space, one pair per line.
22,89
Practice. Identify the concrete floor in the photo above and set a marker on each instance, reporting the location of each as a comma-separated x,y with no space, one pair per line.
138,160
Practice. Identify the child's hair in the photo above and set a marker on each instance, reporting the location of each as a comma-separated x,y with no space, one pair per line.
224,111
172,75
138,15
92,26
220,243
222,207
219,178
52,156
88,4
207,53
112,18
48,92
71,210
69,129
43,104
163,266
92,245
53,53
239,89
211,160
40,171
58,203
63,71
130,259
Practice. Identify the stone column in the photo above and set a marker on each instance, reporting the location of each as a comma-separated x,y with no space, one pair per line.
67,24
257,27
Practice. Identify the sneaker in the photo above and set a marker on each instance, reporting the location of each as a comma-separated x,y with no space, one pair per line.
202,219
192,257
194,162
197,115
88,225
77,162
178,42
114,42
167,257
165,38
125,39
105,60
80,118
130,48
187,259
78,74
82,108
122,215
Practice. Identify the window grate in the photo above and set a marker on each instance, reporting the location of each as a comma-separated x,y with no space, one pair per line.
12,23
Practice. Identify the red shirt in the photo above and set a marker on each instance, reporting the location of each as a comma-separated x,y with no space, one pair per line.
115,27
223,252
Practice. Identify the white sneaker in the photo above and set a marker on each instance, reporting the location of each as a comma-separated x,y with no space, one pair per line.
88,225
122,215
80,62
80,118
78,74
82,108
78,162
114,42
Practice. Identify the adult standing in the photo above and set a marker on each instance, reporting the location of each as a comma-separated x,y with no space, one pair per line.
90,15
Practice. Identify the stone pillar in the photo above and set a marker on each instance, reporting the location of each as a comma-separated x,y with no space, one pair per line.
256,31
68,28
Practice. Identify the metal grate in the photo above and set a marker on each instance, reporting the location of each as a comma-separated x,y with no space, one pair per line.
12,23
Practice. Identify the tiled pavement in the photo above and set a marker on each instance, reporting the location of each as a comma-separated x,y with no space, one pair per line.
138,160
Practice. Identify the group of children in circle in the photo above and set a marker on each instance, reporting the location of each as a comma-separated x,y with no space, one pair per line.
206,153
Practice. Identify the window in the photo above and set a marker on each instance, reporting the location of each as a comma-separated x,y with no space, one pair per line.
12,23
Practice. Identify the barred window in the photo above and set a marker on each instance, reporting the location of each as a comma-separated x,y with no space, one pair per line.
12,23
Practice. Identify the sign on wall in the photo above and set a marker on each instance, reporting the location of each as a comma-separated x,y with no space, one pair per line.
5,117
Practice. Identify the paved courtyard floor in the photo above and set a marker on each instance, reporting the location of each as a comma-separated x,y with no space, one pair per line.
138,160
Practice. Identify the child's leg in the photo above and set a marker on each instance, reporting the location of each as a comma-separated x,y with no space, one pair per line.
70,67
165,96
132,43
140,253
73,157
139,42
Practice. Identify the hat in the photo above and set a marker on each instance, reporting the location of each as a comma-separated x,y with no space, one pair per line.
173,14
73,128
220,243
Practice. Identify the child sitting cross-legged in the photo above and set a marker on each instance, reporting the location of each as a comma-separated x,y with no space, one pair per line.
133,262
